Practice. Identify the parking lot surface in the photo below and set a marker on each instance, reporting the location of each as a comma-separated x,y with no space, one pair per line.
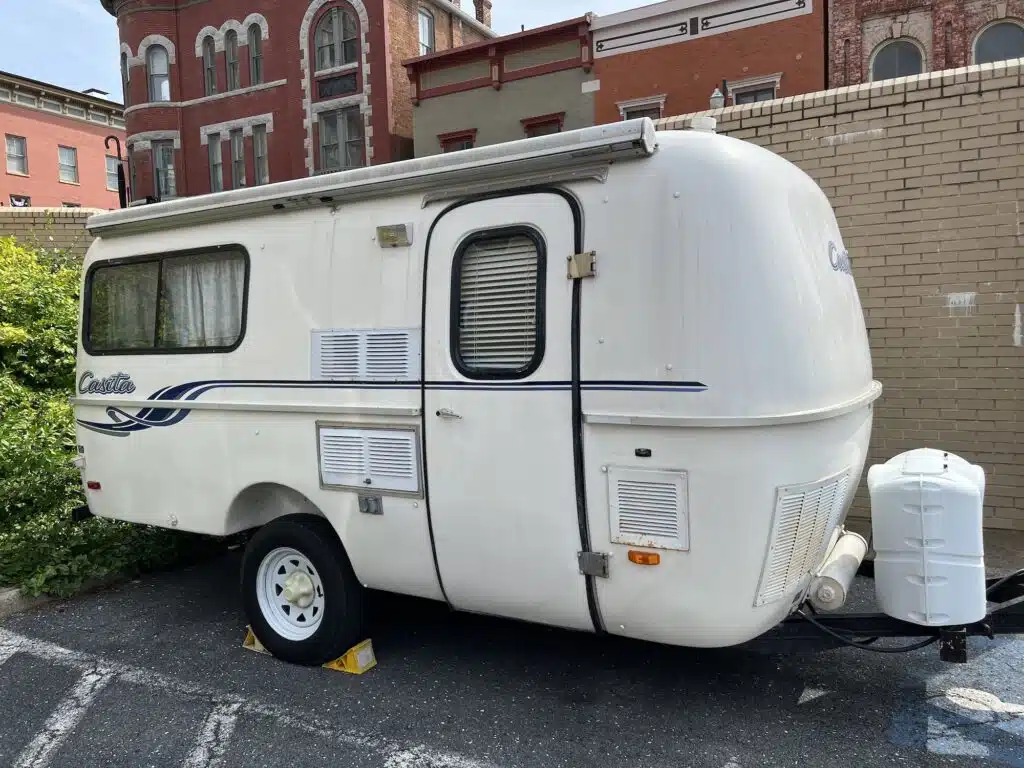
154,674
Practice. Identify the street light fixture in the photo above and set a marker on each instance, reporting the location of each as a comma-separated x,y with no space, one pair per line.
717,99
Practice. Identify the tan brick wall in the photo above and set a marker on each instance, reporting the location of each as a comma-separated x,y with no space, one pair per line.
926,175
60,229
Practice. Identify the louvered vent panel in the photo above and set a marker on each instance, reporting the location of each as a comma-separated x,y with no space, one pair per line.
391,354
370,459
648,508
498,296
805,516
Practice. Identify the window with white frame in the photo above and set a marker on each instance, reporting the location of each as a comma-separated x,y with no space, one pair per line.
749,90
998,42
17,155
341,140
498,285
255,54
426,32
158,72
164,183
125,79
259,150
213,151
231,58
112,165
337,39
651,106
209,66
237,159
897,58
752,95
67,164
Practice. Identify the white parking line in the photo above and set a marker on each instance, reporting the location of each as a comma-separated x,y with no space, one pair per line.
65,717
214,737
393,755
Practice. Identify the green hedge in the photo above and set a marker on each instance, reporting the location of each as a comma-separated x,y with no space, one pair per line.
40,548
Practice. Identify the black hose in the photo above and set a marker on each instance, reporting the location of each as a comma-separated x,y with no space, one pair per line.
1003,580
864,646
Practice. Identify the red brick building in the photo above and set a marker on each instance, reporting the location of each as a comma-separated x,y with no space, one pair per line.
668,58
53,145
878,39
228,93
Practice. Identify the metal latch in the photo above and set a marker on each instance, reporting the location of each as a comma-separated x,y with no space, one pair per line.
593,563
371,505
582,265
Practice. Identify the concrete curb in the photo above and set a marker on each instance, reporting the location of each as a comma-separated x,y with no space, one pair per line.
12,601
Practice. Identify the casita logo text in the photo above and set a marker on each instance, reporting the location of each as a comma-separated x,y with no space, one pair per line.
116,384
840,259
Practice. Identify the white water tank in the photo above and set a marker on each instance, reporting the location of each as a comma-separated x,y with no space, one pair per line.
926,510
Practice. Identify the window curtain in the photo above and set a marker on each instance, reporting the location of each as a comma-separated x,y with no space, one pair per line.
123,307
201,301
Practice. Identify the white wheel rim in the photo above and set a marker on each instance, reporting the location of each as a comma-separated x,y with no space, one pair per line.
290,593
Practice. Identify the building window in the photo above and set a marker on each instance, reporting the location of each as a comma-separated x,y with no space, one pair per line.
67,164
112,165
497,304
998,42
337,39
164,185
543,125
650,106
158,71
231,56
636,113
897,58
237,159
173,302
426,32
255,54
259,151
209,66
17,155
341,140
21,201
125,79
216,163
453,142
70,205
751,95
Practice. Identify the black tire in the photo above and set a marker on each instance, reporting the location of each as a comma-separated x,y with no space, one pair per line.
342,623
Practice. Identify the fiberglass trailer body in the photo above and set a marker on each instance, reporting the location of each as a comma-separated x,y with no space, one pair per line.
610,380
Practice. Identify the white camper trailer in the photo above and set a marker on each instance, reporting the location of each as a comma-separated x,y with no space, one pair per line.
609,380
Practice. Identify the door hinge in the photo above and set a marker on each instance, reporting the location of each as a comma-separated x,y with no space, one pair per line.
582,265
593,563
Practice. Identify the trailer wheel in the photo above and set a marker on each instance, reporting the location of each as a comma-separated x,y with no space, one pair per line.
299,591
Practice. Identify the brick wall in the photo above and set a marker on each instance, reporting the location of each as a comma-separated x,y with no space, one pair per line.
50,228
926,175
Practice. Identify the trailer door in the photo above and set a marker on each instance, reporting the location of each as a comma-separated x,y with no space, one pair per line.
498,409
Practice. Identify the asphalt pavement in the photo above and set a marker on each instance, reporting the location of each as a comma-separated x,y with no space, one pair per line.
153,673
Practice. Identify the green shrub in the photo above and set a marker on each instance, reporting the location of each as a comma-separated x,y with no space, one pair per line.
38,318
40,547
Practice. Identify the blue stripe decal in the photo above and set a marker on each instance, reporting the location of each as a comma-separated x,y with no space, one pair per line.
121,423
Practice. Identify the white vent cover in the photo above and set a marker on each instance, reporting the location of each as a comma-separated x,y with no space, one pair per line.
370,459
366,354
648,508
805,516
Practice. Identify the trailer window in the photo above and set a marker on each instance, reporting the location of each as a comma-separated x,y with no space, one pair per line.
498,304
187,302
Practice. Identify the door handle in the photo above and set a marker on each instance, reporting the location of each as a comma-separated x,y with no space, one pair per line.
447,413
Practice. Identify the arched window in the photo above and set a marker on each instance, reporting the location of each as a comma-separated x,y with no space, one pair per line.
209,66
231,57
159,75
337,39
255,36
998,42
125,79
426,32
896,58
